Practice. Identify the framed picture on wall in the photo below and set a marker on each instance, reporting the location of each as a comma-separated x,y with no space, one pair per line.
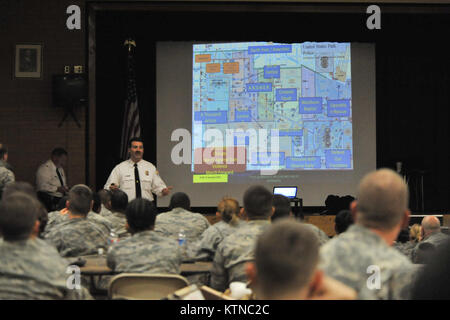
28,61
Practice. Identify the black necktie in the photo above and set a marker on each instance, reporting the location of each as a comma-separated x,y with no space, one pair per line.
137,181
60,178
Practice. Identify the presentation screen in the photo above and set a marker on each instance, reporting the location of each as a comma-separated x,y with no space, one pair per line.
261,107
231,115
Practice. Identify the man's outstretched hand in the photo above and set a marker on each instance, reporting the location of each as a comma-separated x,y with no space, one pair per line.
166,191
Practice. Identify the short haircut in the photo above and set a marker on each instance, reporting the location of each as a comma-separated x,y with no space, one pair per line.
80,198
141,215
382,199
97,206
282,206
228,208
180,200
342,221
135,139
58,152
105,196
431,223
119,200
286,256
18,214
258,202
3,151
27,188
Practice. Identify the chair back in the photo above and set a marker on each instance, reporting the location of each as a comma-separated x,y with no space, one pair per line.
141,286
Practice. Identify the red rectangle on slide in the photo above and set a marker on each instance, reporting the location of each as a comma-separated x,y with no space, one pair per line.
206,160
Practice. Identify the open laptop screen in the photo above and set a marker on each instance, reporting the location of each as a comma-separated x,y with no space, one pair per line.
290,192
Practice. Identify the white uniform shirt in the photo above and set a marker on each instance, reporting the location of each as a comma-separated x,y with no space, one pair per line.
123,176
47,179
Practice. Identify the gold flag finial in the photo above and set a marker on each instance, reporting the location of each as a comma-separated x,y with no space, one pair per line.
129,42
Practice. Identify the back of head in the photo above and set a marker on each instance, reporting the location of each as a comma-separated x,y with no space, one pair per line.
414,232
18,214
27,188
180,200
282,207
431,224
228,208
105,196
342,221
19,186
141,215
286,257
382,199
258,202
434,280
119,200
3,151
97,206
58,152
80,199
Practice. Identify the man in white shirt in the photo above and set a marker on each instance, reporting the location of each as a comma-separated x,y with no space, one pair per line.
136,177
51,182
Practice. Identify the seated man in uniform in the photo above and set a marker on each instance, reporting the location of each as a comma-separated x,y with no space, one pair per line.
78,235
430,231
227,211
146,251
238,248
362,257
180,218
117,217
285,266
29,267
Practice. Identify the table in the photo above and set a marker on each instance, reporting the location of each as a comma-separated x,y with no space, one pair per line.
96,266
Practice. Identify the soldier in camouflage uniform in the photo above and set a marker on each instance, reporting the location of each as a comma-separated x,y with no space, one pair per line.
238,248
227,212
105,198
78,235
283,209
29,267
430,233
146,251
116,217
180,217
6,176
362,257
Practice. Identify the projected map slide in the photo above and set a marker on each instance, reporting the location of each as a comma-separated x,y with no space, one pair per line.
250,99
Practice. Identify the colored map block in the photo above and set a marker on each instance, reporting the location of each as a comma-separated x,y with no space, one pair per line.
267,158
199,58
211,116
312,105
231,67
271,72
259,87
285,48
213,68
286,94
243,116
338,159
338,108
303,163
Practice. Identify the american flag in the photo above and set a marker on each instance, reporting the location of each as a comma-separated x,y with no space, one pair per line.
131,123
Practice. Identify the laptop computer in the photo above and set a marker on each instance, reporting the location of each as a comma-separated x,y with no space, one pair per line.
289,192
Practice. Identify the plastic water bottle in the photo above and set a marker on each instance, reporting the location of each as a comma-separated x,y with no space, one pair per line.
181,237
113,238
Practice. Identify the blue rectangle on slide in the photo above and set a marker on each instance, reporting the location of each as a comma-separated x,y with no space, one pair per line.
239,141
338,159
267,158
338,108
271,72
286,94
259,87
290,133
211,116
243,116
303,162
311,105
283,48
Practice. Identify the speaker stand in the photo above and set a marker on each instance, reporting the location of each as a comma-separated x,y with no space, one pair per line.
69,111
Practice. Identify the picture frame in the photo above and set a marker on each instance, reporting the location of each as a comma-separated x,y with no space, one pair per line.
28,61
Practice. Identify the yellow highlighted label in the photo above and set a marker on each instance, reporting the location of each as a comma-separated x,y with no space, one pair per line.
210,178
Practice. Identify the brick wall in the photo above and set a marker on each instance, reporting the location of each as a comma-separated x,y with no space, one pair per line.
28,121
